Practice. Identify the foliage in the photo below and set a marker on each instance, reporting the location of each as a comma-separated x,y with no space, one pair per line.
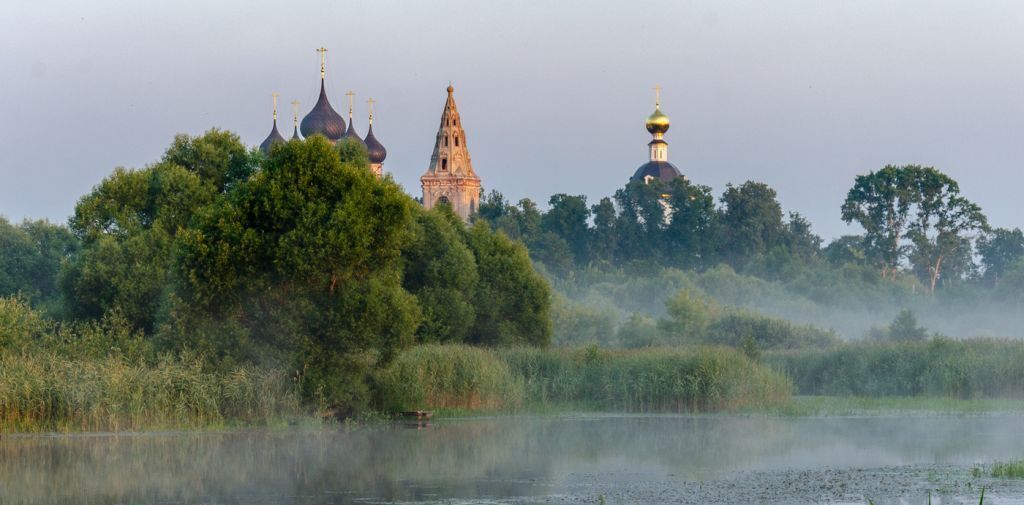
31,255
973,368
649,380
292,252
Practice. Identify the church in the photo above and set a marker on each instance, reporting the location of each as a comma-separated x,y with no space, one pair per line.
449,178
658,168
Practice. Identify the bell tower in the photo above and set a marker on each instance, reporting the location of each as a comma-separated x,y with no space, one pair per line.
450,179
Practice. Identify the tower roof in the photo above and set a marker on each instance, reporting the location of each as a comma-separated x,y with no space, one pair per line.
323,119
661,170
374,148
273,138
451,156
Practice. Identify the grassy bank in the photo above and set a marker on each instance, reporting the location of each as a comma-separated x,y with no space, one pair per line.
966,369
698,379
41,392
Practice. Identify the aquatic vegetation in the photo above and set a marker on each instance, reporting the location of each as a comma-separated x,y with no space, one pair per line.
48,392
972,368
1008,470
696,379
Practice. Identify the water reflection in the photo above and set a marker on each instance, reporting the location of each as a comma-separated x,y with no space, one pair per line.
473,458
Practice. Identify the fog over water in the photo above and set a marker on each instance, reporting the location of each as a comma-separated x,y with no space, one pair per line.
800,94
518,459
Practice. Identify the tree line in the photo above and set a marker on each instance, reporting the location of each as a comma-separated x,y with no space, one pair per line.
915,223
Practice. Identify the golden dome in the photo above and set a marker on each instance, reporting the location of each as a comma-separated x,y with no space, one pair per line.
657,122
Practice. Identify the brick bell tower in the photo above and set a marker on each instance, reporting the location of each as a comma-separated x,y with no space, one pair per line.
450,179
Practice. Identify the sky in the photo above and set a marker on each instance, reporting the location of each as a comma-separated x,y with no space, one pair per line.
803,95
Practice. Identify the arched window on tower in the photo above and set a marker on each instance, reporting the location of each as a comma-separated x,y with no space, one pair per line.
444,165
444,200
446,141
456,141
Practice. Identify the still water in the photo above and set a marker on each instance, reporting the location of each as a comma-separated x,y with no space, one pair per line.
564,459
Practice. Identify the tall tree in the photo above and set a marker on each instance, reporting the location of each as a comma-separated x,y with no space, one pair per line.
880,203
602,247
751,221
944,225
568,217
690,234
1000,250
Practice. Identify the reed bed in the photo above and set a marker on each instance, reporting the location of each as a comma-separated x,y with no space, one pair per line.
48,392
971,368
698,379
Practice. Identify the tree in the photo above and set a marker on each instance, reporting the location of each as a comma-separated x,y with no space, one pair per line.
641,220
127,226
604,238
568,218
904,327
512,301
31,255
751,221
441,271
1000,249
690,234
218,157
944,225
304,257
880,203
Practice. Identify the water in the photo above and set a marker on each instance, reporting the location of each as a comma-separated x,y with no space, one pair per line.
566,459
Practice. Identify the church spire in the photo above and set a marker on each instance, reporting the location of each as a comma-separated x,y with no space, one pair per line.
323,119
657,124
295,120
450,178
351,133
275,136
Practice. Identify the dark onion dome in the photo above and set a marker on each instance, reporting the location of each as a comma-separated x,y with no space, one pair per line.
374,148
274,138
351,133
661,170
323,119
295,133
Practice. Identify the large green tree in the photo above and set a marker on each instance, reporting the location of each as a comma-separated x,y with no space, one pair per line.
1000,250
751,222
880,203
304,256
31,255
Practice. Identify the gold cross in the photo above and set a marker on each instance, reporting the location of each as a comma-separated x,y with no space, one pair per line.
350,94
371,101
295,108
657,96
323,59
275,104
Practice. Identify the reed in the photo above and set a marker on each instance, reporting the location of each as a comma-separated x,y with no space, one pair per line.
1008,470
697,379
48,392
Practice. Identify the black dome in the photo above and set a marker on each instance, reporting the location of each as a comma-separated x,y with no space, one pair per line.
323,119
351,133
295,134
274,138
374,148
661,170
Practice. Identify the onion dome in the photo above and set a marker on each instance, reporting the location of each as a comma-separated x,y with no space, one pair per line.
374,148
657,122
660,170
274,138
323,119
295,134
351,133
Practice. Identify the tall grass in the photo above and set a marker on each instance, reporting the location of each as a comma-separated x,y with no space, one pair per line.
694,379
973,368
47,392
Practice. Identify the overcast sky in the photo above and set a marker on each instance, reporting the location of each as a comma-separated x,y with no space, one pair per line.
802,95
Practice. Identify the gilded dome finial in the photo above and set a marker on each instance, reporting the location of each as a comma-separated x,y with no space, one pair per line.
275,95
323,60
350,94
370,103
657,123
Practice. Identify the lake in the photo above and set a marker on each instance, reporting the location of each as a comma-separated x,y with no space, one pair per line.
556,459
